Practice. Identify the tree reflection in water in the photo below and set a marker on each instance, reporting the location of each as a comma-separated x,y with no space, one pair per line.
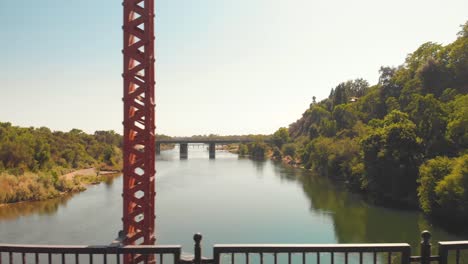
48,207
357,221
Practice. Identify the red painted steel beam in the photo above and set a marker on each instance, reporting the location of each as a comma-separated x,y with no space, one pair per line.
139,124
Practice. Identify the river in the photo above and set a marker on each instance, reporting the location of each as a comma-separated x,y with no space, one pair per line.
228,200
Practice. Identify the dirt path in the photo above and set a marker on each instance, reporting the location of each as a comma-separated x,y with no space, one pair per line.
90,171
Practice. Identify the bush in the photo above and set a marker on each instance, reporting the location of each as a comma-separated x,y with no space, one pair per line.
243,150
431,173
34,187
258,150
289,150
277,153
452,191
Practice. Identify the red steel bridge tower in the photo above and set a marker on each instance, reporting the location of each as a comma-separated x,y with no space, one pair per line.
139,124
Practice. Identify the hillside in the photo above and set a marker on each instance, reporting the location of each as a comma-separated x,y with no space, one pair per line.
402,142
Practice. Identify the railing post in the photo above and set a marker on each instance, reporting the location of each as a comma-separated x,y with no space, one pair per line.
216,256
406,256
198,255
426,247
443,254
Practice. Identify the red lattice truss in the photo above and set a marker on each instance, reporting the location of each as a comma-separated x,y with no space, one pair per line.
139,123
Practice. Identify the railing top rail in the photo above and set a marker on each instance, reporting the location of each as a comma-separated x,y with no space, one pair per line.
75,249
253,248
454,244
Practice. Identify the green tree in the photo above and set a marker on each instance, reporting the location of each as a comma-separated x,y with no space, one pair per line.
392,158
452,192
281,137
457,60
388,86
433,76
277,155
457,127
415,60
258,149
243,150
430,117
345,116
430,173
371,105
42,153
289,150
344,91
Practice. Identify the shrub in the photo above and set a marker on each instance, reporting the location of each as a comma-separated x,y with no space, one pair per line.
289,149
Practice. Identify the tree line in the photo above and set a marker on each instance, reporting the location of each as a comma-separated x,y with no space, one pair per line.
33,159
402,142
40,149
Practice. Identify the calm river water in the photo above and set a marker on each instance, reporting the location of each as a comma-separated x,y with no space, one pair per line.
228,200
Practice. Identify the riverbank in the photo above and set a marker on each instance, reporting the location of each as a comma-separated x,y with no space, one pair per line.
167,146
90,172
42,186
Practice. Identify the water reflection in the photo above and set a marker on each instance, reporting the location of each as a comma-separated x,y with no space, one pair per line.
259,165
356,221
110,178
49,207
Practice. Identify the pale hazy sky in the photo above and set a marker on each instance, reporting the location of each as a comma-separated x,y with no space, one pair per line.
223,66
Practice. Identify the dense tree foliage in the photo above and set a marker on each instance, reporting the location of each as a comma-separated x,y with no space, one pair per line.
443,189
33,159
257,149
39,149
391,153
402,141
280,137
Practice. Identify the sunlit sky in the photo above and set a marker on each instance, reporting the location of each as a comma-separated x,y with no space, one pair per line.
223,66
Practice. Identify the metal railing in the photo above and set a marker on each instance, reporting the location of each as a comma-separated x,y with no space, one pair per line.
26,254
318,253
452,252
448,252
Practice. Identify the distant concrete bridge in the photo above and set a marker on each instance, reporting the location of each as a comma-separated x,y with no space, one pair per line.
183,144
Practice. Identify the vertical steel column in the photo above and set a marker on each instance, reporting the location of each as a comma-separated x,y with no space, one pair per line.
139,124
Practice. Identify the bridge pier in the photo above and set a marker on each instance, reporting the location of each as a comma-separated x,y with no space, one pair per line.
158,148
183,150
212,150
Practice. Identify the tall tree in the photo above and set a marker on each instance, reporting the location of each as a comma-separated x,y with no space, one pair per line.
392,158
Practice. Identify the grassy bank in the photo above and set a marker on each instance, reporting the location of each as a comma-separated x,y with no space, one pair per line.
38,187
